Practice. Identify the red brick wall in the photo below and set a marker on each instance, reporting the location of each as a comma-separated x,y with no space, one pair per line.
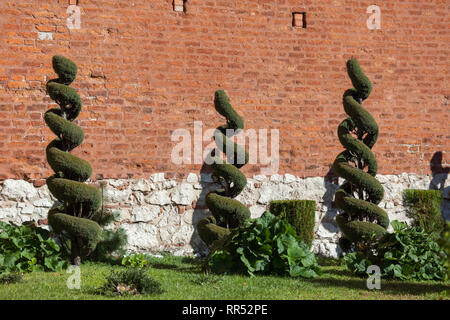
145,70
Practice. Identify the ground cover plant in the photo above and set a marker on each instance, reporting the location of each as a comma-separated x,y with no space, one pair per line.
27,248
136,260
268,245
130,281
407,253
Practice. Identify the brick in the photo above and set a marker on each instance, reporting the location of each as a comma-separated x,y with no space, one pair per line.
146,70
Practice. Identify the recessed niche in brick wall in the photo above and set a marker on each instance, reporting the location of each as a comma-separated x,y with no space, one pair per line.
73,2
299,19
179,5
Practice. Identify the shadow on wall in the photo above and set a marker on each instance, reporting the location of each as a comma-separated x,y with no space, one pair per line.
331,184
439,175
200,210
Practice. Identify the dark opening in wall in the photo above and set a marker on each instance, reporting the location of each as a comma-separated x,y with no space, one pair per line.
299,19
73,2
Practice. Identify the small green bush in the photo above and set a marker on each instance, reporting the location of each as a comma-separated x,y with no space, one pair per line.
130,282
111,246
10,278
27,248
408,253
204,279
268,245
424,207
300,214
136,260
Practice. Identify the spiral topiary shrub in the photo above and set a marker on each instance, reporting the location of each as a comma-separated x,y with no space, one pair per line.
79,201
359,195
227,213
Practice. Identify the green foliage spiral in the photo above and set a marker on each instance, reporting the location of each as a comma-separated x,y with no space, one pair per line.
227,213
360,194
79,201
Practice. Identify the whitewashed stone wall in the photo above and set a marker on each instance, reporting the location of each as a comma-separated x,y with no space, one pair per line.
160,214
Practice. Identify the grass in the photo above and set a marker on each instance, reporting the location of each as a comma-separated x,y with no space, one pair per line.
182,279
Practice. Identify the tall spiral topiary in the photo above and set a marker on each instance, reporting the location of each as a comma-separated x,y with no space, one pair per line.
359,195
227,213
79,201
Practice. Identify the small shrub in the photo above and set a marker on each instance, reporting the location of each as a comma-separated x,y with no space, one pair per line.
424,207
268,245
27,248
408,253
112,242
137,260
205,279
9,278
130,282
300,214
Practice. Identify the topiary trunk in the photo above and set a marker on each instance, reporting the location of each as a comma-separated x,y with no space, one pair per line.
227,213
79,200
359,195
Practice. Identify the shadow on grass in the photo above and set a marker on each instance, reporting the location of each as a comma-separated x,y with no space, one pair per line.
192,261
187,265
166,266
389,287
339,272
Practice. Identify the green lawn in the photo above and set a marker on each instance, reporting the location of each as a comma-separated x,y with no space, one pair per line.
181,278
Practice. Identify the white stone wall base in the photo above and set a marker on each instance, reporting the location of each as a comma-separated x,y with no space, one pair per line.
160,214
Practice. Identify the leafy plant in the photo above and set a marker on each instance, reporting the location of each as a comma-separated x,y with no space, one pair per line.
268,245
444,243
130,282
424,206
137,260
408,253
27,247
